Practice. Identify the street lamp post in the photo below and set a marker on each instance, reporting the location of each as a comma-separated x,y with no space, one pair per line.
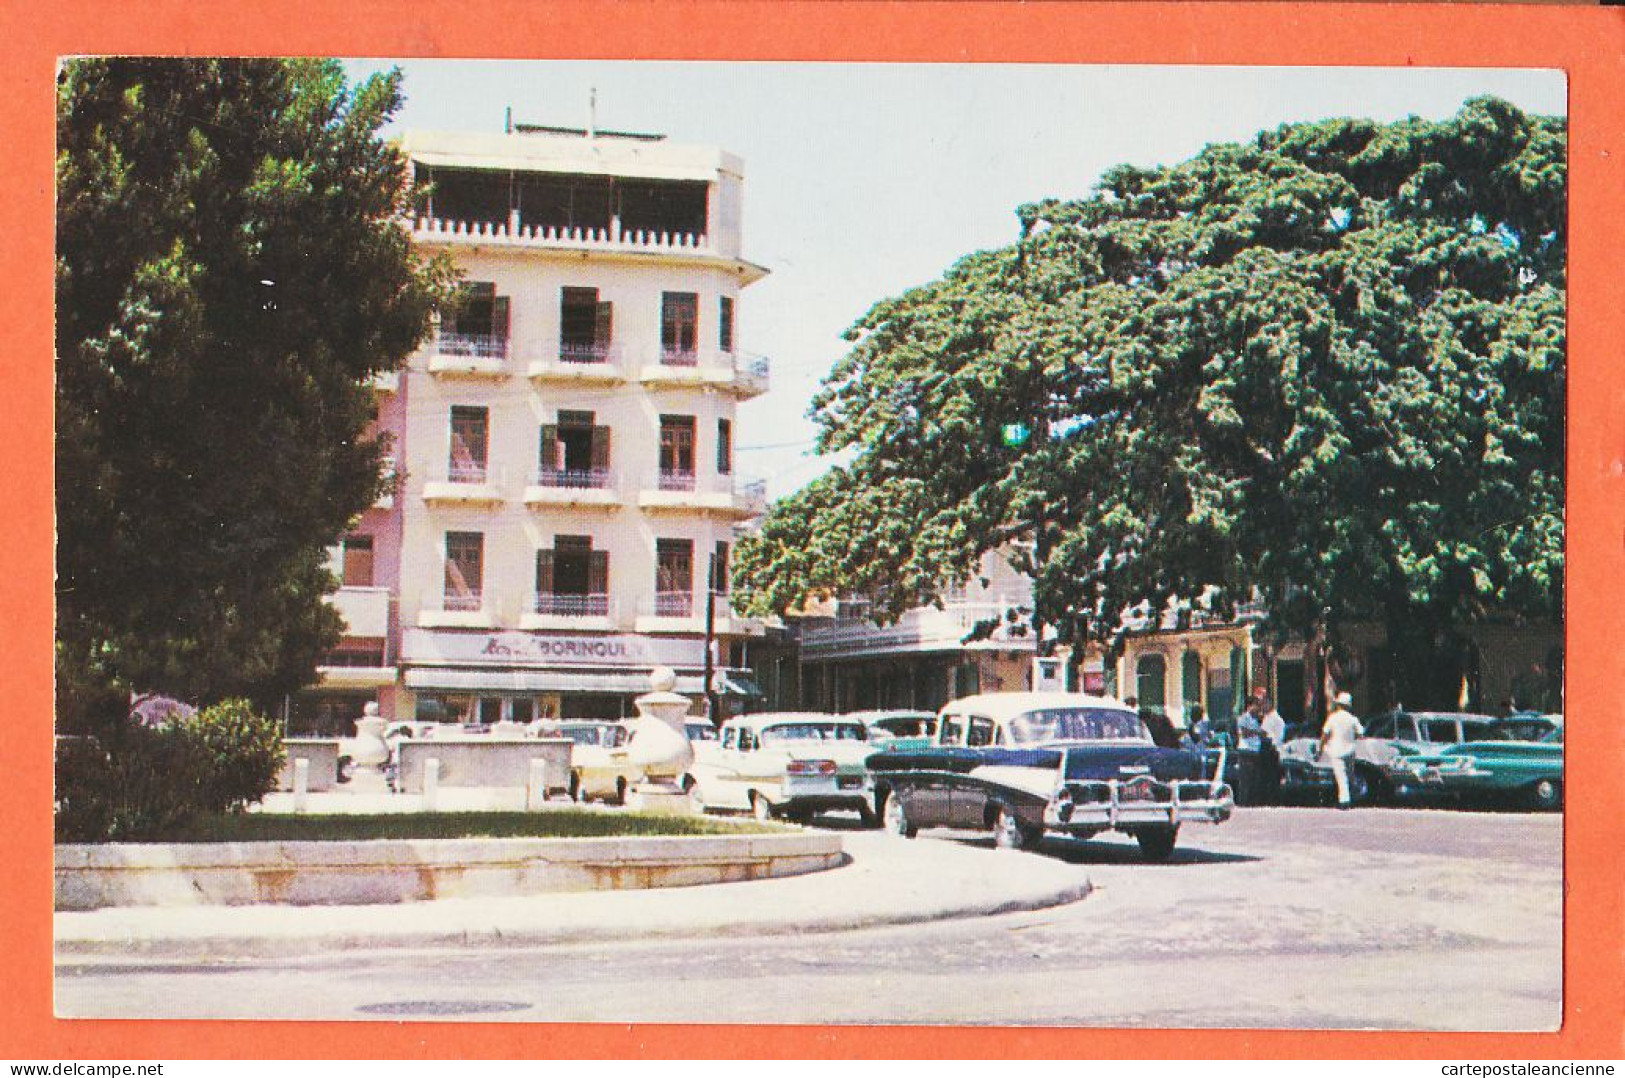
710,638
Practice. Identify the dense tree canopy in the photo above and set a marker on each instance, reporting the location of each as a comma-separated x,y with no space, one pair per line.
230,273
1326,364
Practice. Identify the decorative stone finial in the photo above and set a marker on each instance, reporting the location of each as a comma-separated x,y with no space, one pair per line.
663,679
369,710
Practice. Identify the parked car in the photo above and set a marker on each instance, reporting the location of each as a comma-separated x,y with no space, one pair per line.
1023,763
898,729
789,764
1519,759
1424,754
599,765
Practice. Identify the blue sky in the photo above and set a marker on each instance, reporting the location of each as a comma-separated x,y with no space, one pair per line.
862,180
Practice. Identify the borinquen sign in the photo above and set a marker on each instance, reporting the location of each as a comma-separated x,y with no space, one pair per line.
549,649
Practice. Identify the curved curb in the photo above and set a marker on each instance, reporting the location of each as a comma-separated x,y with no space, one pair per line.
226,946
391,871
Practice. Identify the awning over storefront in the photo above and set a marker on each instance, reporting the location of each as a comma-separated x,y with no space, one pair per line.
440,679
734,684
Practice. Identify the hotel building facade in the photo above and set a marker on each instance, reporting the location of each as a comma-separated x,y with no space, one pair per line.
564,476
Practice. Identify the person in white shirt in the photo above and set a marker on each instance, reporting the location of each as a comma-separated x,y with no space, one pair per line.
1273,728
1337,738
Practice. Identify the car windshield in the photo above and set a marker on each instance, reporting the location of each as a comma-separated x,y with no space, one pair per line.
814,731
908,727
1527,729
1076,724
593,735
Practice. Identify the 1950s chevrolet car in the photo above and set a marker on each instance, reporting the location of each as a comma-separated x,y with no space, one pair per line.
1024,763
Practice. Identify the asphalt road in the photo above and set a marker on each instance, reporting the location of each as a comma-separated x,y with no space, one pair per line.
1282,918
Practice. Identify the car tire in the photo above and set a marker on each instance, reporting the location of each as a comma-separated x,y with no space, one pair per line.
895,819
1009,833
1359,787
1547,794
761,807
1157,843
578,792
620,791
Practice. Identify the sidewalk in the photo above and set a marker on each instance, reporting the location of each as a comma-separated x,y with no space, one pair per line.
888,880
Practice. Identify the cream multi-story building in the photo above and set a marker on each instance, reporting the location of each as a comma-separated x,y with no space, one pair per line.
565,441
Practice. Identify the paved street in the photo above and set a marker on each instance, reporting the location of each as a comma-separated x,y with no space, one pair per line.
1293,918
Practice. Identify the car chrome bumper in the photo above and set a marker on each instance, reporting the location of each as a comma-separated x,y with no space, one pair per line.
1201,803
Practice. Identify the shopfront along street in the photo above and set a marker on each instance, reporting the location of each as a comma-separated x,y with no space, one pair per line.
1295,918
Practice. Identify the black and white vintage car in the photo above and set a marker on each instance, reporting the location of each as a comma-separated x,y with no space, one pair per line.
1020,764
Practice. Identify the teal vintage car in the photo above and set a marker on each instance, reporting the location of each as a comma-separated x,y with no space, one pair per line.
899,729
1516,759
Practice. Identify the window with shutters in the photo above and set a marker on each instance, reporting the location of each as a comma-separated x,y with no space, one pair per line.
719,567
574,452
586,326
725,324
357,561
725,447
470,443
465,557
476,324
674,578
572,579
676,452
679,328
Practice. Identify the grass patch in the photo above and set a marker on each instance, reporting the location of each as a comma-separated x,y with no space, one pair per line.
558,823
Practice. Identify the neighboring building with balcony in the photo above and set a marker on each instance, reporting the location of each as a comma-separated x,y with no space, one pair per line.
567,434
846,662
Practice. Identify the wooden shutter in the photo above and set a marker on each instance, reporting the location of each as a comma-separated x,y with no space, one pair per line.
598,572
600,448
550,448
544,572
604,328
499,318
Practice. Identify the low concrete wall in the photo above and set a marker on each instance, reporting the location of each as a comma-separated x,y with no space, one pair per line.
323,754
360,873
485,761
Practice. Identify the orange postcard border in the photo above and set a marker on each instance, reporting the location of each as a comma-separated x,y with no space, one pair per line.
1584,41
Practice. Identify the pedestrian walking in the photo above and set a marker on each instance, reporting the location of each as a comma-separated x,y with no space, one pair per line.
1337,740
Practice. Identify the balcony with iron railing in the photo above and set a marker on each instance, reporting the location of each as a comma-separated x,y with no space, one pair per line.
562,610
590,364
920,630
687,492
679,612
472,355
745,375
466,483
583,487
457,610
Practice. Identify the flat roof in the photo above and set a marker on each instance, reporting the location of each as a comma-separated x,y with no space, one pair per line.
570,153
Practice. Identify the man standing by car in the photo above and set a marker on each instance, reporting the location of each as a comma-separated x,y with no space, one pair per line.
1337,739
1273,728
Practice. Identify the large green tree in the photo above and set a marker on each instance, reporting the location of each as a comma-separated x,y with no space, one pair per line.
1326,365
230,272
